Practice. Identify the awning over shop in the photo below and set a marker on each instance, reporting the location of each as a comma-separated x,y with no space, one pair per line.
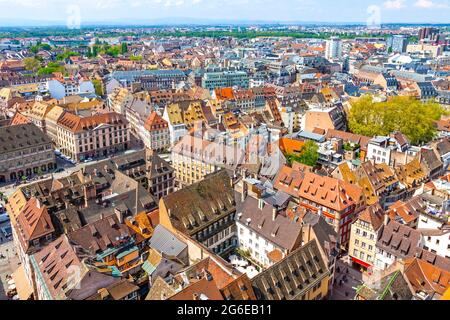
365,265
23,288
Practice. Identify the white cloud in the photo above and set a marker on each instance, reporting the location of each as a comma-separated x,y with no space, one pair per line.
394,4
428,4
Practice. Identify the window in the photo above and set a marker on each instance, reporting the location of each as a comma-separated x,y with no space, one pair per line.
363,245
355,252
356,242
358,231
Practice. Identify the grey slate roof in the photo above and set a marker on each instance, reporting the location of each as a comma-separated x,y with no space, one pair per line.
165,241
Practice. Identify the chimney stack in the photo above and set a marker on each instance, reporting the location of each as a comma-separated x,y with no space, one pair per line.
386,219
260,204
119,215
274,213
244,191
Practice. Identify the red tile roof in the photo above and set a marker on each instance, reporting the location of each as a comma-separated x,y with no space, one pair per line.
155,122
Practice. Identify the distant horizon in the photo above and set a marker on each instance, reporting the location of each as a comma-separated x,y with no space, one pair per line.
17,13
192,22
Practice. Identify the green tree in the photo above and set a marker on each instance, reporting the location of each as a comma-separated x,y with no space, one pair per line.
98,87
412,117
32,64
66,55
136,58
51,68
308,155
124,48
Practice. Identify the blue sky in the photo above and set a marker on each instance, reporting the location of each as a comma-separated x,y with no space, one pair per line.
433,11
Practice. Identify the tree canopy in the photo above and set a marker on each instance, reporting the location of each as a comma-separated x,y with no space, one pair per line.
40,46
66,55
98,87
412,117
32,64
308,156
51,68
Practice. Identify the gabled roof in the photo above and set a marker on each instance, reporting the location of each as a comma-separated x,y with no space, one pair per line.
155,122
203,289
292,277
289,180
57,262
240,289
21,136
100,235
34,221
282,231
407,211
201,204
77,124
423,276
374,215
329,192
398,239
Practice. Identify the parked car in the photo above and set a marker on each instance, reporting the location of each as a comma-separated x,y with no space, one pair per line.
7,231
4,217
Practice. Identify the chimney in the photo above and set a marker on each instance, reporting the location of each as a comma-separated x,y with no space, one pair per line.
386,219
274,213
103,293
38,203
119,215
260,204
195,296
169,212
244,191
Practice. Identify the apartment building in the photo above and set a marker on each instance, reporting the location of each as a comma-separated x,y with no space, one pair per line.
150,79
32,230
380,149
193,158
221,79
160,175
338,201
364,235
156,133
303,275
37,113
395,242
265,233
204,211
65,86
325,118
94,136
24,151
51,121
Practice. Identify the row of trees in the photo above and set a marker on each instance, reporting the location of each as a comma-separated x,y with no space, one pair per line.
412,117
104,48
